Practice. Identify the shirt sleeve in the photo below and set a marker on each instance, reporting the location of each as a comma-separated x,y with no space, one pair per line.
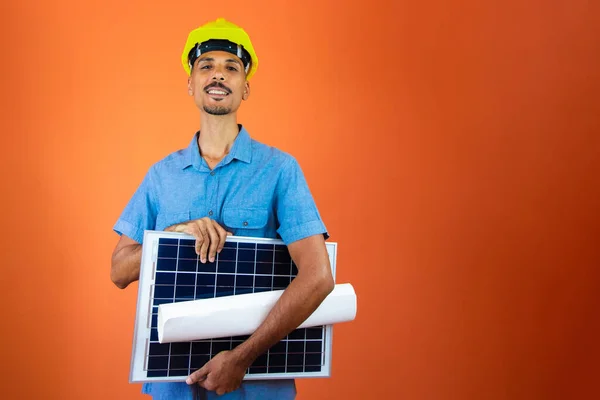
140,213
295,208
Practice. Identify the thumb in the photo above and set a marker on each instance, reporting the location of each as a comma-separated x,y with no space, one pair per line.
198,375
229,233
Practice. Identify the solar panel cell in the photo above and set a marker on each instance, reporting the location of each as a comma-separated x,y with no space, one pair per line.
244,281
261,361
246,255
280,282
314,346
257,370
198,361
180,348
208,267
224,291
178,372
314,333
295,359
264,256
167,251
280,347
282,256
184,293
245,267
165,278
227,267
263,281
157,373
166,264
264,268
297,334
187,252
218,347
186,279
179,362
228,254
225,280
158,362
296,346
164,292
159,349
282,269
187,265
243,290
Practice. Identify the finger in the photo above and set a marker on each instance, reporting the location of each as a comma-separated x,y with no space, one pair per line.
199,242
206,241
222,236
214,239
195,231
198,376
207,383
181,228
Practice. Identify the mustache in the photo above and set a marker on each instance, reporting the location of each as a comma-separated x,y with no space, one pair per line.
217,85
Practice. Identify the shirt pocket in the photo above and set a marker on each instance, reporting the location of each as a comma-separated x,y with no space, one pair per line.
164,220
246,221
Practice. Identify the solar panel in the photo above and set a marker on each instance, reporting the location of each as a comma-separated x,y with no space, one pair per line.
171,272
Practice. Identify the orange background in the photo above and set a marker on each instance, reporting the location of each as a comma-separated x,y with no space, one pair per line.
453,150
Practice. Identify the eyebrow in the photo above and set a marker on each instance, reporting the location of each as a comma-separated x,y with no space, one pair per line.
212,59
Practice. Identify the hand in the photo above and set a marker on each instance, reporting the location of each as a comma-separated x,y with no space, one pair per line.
223,373
210,236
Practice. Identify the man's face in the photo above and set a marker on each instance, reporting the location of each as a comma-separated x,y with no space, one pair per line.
218,83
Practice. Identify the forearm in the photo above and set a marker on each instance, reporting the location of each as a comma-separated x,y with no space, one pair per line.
302,297
125,267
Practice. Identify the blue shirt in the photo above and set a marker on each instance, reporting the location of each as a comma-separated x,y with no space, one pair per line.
256,190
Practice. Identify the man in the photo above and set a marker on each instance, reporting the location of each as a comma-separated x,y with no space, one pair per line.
226,183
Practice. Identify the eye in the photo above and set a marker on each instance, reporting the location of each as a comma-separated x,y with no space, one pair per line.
232,68
205,67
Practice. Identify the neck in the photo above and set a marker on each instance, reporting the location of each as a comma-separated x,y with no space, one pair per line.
217,135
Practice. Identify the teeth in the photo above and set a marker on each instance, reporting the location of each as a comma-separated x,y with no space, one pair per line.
216,92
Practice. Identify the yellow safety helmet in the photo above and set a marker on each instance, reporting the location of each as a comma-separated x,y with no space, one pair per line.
220,35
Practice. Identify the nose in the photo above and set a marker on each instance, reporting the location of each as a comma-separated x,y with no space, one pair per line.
219,75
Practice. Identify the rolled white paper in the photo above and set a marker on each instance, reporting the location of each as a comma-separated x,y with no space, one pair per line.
242,314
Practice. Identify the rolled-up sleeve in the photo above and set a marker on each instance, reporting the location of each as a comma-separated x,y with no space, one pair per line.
140,212
296,211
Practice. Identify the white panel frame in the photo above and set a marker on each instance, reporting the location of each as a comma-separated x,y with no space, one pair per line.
141,336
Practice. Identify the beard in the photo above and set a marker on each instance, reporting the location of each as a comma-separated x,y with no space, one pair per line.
217,110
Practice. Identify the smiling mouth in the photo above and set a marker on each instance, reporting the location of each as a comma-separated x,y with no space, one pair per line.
217,92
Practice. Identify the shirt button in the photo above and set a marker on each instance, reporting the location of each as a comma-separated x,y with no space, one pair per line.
210,213
245,223
212,173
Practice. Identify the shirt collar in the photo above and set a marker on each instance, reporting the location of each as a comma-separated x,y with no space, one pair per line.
240,150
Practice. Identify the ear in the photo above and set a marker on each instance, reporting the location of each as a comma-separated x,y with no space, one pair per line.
189,84
246,91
